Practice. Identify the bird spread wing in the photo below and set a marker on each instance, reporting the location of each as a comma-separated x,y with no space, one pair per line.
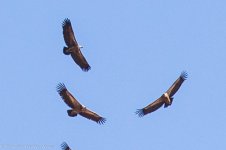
80,59
176,85
64,146
151,107
92,115
73,46
68,33
67,97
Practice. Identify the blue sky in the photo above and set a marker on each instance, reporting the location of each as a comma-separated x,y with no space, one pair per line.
136,50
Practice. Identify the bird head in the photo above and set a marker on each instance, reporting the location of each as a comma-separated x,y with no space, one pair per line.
166,95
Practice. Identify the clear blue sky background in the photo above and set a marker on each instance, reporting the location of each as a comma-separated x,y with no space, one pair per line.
136,49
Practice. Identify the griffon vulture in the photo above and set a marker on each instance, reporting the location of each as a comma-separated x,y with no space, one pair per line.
77,108
64,146
166,98
73,46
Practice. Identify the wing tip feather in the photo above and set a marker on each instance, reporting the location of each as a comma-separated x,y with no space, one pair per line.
184,75
60,87
64,146
86,69
66,22
140,112
102,121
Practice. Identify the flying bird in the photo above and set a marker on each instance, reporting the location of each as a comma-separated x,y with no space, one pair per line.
166,98
64,146
77,108
73,48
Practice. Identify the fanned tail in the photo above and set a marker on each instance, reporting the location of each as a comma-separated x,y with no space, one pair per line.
171,101
72,113
66,51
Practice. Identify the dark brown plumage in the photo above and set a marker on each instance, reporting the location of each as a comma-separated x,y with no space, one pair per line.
166,98
77,108
73,48
64,146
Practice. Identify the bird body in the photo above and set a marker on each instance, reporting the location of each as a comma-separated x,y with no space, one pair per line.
73,48
166,99
77,108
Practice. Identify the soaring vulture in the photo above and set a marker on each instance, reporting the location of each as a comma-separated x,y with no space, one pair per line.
166,98
64,146
77,108
73,46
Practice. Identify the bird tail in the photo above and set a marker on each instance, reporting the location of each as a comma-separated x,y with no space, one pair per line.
66,51
72,113
171,101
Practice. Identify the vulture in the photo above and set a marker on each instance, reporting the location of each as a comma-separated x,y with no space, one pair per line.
64,146
77,108
73,48
166,98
